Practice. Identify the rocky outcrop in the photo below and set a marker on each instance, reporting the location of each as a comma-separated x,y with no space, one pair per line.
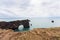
14,24
35,34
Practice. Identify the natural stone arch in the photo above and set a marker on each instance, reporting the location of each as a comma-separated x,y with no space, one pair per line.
14,24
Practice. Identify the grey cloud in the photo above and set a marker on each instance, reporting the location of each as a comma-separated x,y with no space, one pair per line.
7,3
5,13
23,4
52,7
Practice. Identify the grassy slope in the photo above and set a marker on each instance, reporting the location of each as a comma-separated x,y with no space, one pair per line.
35,34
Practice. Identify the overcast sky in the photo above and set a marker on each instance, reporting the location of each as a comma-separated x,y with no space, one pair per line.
29,8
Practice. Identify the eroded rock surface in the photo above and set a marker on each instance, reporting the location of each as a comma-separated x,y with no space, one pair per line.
14,24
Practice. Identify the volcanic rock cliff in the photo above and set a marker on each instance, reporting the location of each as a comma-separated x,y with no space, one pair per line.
14,24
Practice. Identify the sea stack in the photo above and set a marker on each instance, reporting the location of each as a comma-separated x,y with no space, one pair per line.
52,21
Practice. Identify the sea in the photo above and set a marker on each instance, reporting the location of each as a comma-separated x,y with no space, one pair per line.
37,22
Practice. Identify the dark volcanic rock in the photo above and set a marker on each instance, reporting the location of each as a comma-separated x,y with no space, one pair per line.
14,24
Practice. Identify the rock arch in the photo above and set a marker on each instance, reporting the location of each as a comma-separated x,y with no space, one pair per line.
14,24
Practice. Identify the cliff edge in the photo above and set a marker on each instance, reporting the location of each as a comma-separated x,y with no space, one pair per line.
35,34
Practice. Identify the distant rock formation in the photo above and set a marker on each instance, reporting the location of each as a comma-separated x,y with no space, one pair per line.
14,24
52,21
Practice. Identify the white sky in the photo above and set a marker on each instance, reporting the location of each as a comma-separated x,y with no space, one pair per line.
29,8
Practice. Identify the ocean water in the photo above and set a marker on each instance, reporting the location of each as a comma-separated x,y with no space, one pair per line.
38,22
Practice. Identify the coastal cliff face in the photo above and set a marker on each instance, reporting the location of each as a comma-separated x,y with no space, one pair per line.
14,24
35,34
